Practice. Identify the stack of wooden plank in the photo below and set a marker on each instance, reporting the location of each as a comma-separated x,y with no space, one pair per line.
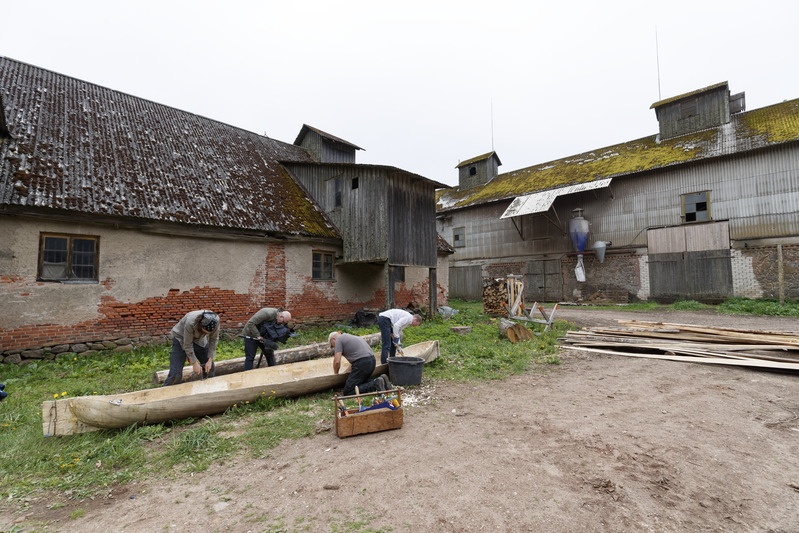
691,343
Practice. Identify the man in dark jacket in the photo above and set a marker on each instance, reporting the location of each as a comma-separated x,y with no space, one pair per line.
264,330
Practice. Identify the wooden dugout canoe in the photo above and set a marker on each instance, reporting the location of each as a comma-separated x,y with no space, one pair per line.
82,414
286,355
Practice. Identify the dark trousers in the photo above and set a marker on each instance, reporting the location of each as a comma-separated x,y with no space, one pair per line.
360,377
177,359
251,348
387,347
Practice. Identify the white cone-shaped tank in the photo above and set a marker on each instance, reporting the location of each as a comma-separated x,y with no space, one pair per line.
578,229
599,250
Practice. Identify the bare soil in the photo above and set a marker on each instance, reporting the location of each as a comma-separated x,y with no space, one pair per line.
597,443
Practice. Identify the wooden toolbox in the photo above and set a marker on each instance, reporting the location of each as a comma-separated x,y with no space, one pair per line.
352,421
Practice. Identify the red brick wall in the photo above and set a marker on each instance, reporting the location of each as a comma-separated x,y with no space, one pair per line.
152,316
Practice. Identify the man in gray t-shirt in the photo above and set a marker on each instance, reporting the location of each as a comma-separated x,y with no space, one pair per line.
362,360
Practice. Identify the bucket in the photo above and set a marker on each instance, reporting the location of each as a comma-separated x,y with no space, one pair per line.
405,370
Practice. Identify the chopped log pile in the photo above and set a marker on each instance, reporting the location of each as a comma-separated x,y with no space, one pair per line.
513,331
691,343
495,297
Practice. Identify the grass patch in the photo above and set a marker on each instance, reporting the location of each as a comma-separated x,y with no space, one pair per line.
84,465
745,306
689,305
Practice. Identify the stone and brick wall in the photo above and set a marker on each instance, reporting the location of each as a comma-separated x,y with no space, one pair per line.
149,281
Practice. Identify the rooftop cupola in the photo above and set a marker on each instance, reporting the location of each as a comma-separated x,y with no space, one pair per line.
478,170
697,110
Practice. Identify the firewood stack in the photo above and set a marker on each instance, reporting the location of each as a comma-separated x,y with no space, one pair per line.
691,343
495,297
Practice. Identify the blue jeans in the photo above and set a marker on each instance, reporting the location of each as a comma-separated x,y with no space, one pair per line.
177,359
359,377
387,347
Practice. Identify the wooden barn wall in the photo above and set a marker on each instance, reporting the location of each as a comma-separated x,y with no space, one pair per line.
411,224
712,110
313,143
466,282
333,154
690,261
362,218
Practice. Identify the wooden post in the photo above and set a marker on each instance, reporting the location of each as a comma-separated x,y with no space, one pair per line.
780,274
433,293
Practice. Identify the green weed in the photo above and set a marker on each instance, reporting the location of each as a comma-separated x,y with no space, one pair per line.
84,465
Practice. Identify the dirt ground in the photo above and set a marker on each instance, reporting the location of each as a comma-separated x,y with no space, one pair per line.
597,443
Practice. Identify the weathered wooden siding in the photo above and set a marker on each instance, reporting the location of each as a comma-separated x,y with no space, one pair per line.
690,261
712,109
411,224
466,282
544,281
388,217
362,217
326,152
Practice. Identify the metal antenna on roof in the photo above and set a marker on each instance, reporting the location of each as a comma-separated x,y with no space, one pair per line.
657,59
492,124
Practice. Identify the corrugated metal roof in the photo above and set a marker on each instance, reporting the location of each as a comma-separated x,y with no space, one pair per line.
78,147
752,130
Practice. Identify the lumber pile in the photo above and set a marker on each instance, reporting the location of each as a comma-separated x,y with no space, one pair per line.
691,343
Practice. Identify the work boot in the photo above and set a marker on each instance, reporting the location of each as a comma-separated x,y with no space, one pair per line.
386,382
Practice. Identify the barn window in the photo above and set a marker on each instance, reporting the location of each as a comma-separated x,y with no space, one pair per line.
337,192
68,258
354,183
459,237
398,274
696,206
322,269
472,171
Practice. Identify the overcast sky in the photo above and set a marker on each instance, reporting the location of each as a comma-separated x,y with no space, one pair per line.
419,84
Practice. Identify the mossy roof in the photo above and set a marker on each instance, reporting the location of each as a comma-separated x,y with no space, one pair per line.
672,99
74,147
477,159
751,130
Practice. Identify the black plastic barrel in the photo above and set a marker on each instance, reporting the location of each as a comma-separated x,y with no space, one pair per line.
405,370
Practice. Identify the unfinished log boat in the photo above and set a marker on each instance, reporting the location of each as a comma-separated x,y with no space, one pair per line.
286,355
211,396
